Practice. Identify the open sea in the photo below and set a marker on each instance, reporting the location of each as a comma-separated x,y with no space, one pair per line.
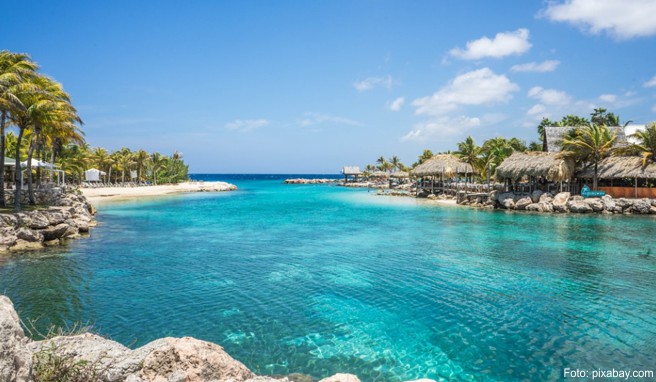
319,279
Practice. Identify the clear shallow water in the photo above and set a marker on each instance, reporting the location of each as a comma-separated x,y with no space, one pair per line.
320,279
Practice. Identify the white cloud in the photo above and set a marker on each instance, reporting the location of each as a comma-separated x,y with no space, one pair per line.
503,44
373,82
538,110
651,83
246,125
621,19
653,108
541,67
608,98
313,119
549,96
478,87
442,126
396,104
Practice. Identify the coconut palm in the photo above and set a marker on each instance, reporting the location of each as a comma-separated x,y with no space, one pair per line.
542,131
426,155
141,159
646,145
591,144
125,161
495,151
395,162
469,152
158,163
15,68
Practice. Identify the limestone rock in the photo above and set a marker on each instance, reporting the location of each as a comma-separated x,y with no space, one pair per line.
341,378
191,360
7,236
652,210
609,202
596,204
522,203
534,207
579,206
561,199
15,358
535,196
38,220
29,235
546,198
54,232
624,203
55,218
641,206
24,245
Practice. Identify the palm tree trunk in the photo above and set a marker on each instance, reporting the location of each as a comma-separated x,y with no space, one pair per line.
2,158
30,185
594,179
17,172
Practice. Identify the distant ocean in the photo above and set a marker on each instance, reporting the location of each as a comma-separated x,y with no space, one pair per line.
319,279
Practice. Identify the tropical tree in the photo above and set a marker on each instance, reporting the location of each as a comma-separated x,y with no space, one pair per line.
470,152
395,163
158,162
646,144
15,68
601,116
426,155
125,161
590,145
542,132
382,163
495,151
141,160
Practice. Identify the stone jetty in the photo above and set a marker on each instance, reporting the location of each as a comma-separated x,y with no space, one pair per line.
68,216
562,202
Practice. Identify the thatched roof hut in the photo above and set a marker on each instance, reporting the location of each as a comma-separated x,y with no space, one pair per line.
400,174
554,167
351,170
447,164
379,174
621,167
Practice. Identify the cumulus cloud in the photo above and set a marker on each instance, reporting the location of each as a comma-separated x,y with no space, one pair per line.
536,67
396,104
621,19
538,110
478,87
549,96
651,83
373,82
608,98
246,125
313,119
503,44
442,126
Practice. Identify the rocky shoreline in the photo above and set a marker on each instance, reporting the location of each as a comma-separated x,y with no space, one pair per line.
68,217
99,359
562,202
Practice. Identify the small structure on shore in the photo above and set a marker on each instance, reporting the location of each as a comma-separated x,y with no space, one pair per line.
624,177
543,170
351,172
444,166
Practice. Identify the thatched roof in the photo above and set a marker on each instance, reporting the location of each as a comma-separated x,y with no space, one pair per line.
553,166
446,164
400,174
621,167
351,170
379,174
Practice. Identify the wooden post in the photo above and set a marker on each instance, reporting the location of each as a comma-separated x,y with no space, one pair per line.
432,184
636,187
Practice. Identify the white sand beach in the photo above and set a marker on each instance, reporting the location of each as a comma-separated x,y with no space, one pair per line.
95,195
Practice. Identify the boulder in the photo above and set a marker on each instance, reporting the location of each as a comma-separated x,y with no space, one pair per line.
341,378
191,360
522,203
535,196
596,204
577,198
652,210
24,245
15,358
38,220
561,199
579,206
624,203
7,236
546,207
536,207
641,206
609,202
9,219
54,232
29,235
546,198
55,218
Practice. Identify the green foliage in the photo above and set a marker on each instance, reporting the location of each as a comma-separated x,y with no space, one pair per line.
426,155
49,366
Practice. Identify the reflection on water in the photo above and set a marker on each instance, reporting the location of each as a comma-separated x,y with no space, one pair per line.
319,280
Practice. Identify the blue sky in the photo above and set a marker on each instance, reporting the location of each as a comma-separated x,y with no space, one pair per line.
310,86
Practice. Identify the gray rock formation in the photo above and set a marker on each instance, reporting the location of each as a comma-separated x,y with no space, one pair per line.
15,358
641,206
535,196
522,203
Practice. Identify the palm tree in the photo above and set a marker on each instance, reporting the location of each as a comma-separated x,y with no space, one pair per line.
15,68
495,151
469,152
141,159
646,146
426,155
542,131
125,161
591,144
382,163
158,162
395,162
100,158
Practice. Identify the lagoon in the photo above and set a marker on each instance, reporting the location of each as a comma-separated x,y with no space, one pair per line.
318,279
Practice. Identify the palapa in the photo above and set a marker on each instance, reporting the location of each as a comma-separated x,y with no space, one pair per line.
555,167
400,174
447,164
621,167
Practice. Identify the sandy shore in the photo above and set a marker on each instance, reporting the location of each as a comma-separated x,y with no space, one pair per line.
95,195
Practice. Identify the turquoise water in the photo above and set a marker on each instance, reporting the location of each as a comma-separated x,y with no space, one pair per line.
319,279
